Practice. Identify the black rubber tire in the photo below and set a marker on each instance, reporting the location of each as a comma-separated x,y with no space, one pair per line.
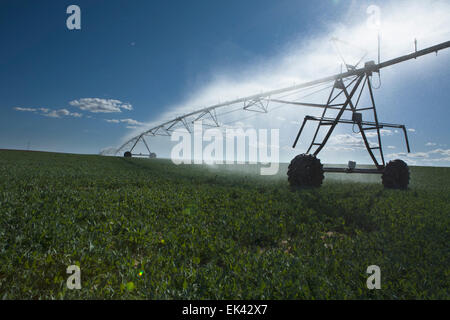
396,175
127,154
305,170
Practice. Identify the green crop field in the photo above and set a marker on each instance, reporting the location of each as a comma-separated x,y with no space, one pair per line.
147,229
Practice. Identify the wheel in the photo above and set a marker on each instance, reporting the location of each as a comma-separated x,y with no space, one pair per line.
127,154
305,170
152,155
396,175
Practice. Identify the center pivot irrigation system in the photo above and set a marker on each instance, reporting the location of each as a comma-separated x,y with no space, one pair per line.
306,169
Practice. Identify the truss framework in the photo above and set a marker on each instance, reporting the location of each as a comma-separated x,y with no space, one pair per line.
359,78
349,92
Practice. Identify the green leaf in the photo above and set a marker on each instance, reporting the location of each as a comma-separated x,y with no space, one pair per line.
130,286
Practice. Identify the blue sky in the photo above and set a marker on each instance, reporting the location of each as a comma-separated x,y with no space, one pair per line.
142,59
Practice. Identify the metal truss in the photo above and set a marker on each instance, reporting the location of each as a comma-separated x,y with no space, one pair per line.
356,78
349,93
257,105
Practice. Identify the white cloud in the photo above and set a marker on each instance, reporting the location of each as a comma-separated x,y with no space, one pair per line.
445,159
386,132
391,147
418,155
430,144
347,140
411,130
334,148
383,132
97,105
437,155
133,123
445,152
25,109
51,113
62,113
